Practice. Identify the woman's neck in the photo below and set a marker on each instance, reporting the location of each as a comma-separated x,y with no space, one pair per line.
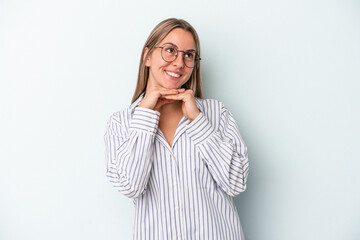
171,107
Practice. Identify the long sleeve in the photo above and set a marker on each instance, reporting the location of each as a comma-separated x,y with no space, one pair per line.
129,145
223,150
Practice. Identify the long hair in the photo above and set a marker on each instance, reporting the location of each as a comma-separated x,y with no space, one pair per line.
155,37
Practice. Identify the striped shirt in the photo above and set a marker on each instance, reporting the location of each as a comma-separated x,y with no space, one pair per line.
183,191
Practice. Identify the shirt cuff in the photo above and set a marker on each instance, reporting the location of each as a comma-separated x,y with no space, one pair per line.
144,119
199,129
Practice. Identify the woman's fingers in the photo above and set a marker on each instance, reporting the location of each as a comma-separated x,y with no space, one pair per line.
189,106
153,95
174,97
166,92
161,102
155,98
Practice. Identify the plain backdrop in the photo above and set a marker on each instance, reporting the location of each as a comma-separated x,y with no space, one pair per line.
289,71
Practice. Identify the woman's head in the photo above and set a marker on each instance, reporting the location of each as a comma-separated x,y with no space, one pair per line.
153,48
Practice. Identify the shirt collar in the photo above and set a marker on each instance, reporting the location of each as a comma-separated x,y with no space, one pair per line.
198,104
137,102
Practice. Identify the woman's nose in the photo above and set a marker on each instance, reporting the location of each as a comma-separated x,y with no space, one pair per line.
179,60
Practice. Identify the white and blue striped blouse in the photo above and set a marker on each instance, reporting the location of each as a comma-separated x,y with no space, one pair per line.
183,191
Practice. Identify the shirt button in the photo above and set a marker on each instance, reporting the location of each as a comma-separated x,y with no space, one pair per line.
177,208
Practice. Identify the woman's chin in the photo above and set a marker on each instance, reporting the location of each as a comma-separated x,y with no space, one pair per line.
171,86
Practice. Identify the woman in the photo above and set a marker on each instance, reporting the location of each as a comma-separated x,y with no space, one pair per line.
180,157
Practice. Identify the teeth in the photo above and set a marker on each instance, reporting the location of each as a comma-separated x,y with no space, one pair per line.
173,74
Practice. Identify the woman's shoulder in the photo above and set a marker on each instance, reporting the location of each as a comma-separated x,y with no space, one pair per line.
121,117
209,105
212,109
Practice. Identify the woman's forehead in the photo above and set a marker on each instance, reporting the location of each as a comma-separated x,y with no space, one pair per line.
181,38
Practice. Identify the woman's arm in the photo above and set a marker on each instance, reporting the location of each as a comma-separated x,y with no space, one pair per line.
222,149
129,148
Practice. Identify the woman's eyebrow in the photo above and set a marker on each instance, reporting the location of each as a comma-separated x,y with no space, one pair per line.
189,50
169,43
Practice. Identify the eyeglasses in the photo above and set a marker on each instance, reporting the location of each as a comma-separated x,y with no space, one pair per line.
169,53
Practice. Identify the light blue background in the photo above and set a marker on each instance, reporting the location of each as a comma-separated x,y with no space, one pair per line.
288,70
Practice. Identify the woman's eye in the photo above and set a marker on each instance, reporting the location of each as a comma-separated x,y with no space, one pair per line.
190,55
170,50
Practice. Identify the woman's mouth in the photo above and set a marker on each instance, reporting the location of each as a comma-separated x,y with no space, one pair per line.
173,74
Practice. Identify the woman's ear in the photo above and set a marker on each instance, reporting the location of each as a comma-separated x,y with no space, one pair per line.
146,58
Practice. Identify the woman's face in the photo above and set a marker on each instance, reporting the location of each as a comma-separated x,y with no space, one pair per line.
170,75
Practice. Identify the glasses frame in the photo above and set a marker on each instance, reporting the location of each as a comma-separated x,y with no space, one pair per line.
197,57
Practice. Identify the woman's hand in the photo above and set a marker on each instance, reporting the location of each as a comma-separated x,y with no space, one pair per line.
155,97
189,107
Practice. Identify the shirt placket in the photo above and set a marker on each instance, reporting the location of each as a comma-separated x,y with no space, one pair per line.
178,212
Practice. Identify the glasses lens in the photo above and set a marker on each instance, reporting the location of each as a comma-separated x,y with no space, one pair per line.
169,53
189,59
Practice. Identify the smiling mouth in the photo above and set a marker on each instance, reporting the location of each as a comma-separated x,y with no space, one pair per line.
172,74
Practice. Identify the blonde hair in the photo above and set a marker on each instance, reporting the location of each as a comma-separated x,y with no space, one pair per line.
155,37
